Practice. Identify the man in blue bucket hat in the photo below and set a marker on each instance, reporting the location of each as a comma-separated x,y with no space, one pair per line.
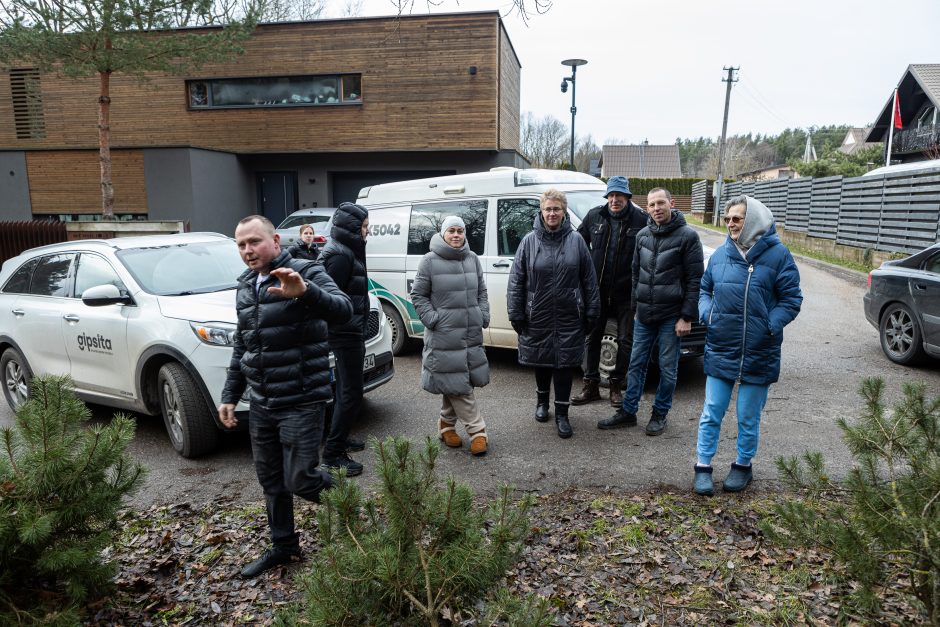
610,233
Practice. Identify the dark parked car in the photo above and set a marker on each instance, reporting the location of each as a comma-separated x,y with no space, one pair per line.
903,303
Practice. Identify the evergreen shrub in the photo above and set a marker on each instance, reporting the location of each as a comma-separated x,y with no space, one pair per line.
417,551
885,517
61,485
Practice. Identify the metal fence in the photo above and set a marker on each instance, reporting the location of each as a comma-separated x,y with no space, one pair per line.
15,237
897,212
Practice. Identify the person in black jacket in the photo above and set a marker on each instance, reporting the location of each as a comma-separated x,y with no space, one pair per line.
344,259
552,298
305,247
667,269
610,233
282,353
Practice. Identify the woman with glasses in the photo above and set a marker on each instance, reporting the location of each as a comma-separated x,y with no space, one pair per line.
552,300
750,291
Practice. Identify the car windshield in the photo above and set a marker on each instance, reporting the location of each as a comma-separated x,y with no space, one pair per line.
181,269
582,202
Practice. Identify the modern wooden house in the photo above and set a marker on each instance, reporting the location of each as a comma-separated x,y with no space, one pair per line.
312,112
919,96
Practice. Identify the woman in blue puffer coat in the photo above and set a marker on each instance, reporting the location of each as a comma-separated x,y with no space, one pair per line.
553,302
750,291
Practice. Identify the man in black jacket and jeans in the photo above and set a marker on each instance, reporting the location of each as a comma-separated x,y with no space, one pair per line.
667,269
344,259
610,233
281,352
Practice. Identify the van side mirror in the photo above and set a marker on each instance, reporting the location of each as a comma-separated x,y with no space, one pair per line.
107,294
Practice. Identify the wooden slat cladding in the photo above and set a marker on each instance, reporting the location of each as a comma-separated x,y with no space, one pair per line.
509,94
418,93
69,181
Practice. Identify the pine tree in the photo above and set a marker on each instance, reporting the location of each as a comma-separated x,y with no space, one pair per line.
888,513
418,548
61,485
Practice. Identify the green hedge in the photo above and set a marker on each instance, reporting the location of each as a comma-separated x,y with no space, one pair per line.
678,187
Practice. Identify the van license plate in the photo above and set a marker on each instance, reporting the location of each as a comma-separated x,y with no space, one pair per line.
369,362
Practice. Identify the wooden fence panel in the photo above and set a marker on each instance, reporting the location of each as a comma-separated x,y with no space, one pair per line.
799,192
910,212
824,204
860,211
774,195
15,237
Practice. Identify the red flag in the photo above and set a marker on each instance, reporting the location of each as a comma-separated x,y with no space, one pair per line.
897,111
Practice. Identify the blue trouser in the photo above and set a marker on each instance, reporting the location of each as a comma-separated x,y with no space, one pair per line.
644,336
285,443
751,399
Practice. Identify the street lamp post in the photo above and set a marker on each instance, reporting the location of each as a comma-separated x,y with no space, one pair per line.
573,64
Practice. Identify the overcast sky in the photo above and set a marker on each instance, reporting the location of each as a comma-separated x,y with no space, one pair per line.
654,68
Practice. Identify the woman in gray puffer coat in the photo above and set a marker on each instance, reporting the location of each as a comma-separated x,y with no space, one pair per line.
553,303
450,297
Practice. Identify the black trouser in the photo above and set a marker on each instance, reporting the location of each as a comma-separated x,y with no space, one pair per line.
623,314
285,443
348,397
562,378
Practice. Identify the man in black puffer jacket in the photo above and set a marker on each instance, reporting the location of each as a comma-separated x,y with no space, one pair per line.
610,232
282,353
344,258
667,269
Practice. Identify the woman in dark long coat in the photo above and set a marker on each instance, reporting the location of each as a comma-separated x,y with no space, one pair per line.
553,301
305,247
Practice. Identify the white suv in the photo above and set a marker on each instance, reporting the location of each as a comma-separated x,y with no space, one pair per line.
141,323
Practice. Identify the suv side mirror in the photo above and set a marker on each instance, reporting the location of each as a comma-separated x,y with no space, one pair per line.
107,294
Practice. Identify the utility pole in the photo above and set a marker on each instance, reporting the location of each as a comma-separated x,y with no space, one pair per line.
721,146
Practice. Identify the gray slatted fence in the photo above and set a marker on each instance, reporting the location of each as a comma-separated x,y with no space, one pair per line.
823,221
798,196
859,211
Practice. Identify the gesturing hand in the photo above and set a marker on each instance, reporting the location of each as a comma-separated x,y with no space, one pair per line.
292,284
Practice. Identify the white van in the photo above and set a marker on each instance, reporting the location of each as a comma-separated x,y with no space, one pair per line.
498,208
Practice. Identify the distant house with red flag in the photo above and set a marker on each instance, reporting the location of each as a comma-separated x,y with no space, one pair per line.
918,105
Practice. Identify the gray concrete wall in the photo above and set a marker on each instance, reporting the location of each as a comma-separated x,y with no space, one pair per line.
14,187
223,191
210,190
168,182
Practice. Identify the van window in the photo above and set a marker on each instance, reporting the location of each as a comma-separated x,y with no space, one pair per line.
514,218
426,221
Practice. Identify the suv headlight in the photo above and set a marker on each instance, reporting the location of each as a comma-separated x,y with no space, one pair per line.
215,333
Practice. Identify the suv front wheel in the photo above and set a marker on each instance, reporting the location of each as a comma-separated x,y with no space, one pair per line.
16,377
189,423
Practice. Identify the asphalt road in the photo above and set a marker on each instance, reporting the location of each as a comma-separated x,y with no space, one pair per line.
827,352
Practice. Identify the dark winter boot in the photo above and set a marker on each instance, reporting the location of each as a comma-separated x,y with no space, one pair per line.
561,420
541,406
616,393
657,423
739,478
618,420
589,393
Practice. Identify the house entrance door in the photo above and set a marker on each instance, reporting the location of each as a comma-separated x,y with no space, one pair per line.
277,195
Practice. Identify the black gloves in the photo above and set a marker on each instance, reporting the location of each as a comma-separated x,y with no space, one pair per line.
519,326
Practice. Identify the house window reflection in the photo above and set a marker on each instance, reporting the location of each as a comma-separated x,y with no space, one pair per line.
274,91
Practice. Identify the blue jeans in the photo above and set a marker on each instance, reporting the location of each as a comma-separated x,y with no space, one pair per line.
751,399
643,339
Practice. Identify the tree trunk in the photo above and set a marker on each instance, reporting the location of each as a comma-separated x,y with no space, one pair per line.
104,146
